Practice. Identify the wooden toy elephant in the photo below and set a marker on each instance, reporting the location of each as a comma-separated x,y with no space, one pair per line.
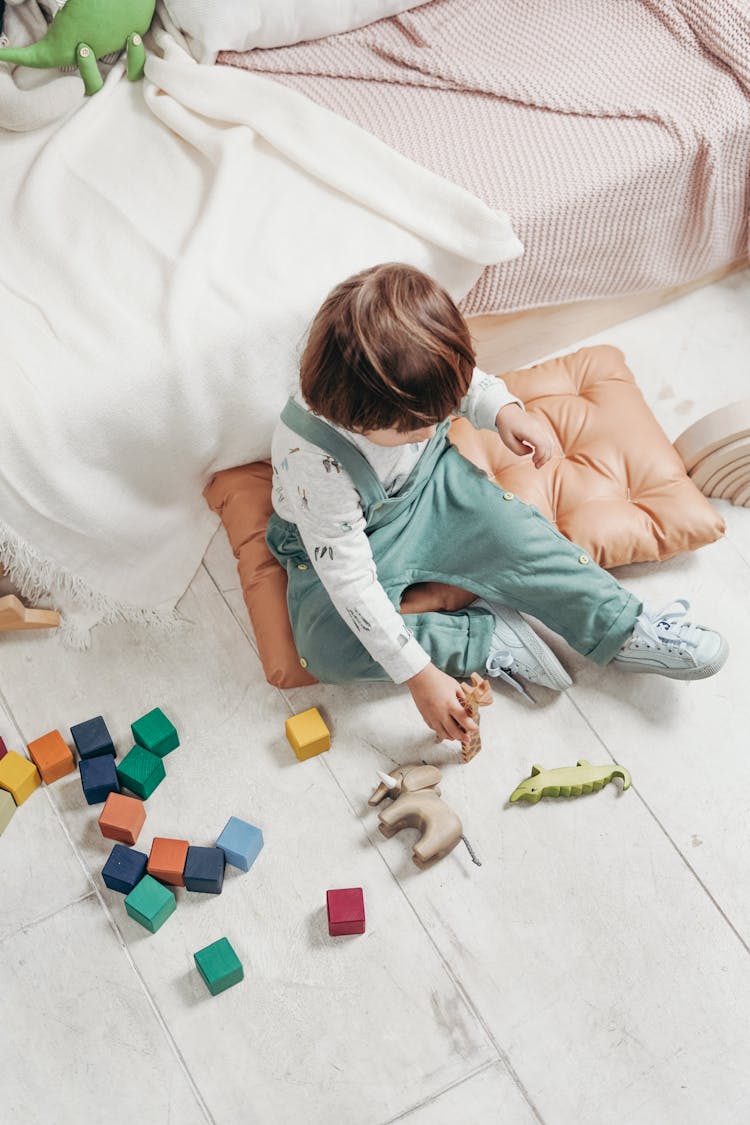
417,804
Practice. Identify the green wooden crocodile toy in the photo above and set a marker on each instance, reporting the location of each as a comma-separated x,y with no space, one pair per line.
567,781
86,30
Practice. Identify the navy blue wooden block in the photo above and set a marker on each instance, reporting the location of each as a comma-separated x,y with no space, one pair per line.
92,738
204,870
124,869
98,778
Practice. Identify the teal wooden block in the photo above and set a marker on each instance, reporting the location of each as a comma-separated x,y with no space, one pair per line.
140,772
150,903
219,966
7,808
155,733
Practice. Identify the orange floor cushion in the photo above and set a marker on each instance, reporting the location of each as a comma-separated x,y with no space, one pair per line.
620,491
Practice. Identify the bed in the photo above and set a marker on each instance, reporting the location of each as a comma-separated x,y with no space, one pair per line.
166,243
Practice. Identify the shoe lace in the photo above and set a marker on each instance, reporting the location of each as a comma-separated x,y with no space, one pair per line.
664,629
499,664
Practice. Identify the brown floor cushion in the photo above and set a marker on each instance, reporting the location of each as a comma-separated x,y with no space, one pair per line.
620,491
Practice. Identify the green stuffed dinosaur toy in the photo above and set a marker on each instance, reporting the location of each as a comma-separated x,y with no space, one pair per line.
86,30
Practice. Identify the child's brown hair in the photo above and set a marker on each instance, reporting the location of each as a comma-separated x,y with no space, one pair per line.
388,349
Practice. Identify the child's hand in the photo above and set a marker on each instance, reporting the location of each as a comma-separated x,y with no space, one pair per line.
521,431
437,697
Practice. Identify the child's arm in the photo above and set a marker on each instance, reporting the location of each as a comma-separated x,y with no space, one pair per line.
318,495
489,405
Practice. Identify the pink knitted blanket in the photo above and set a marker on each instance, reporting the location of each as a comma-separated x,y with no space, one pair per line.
616,135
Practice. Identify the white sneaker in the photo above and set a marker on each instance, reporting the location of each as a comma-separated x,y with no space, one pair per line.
518,651
664,644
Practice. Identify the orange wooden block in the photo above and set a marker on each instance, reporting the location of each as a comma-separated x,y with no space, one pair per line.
167,860
52,756
122,818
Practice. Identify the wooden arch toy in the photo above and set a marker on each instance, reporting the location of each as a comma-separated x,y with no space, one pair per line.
15,615
716,452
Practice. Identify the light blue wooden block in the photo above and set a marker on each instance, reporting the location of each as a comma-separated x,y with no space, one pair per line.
241,843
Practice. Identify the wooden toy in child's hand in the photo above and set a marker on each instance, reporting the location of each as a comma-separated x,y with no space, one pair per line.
568,781
86,30
473,696
417,804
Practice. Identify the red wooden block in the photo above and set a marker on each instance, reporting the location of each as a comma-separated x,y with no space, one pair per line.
3,749
122,818
167,860
346,911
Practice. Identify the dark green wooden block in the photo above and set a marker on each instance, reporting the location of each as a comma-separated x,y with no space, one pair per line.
150,903
140,772
155,732
219,966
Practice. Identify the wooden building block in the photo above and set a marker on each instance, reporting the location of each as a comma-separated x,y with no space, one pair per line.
219,966
122,818
7,808
3,749
92,738
52,756
241,843
18,776
124,869
150,903
140,771
307,733
167,860
98,778
155,733
346,911
204,870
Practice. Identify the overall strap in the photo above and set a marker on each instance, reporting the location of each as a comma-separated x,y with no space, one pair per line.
316,430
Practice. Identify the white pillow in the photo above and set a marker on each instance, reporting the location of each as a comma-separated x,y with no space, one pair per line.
240,25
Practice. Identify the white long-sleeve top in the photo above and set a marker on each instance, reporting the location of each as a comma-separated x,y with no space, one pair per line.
311,490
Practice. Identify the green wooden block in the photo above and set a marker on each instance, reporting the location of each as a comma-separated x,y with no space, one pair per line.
155,732
7,808
219,966
150,903
140,772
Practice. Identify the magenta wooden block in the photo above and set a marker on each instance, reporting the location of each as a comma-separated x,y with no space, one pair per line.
3,749
346,911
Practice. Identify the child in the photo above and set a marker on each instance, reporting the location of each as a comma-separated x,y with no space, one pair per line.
370,497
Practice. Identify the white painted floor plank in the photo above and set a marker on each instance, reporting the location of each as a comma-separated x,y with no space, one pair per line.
221,563
600,967
39,870
486,1097
79,1039
359,1028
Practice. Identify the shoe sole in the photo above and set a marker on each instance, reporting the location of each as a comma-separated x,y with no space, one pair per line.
551,666
702,672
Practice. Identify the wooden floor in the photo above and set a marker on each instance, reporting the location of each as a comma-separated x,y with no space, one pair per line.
595,970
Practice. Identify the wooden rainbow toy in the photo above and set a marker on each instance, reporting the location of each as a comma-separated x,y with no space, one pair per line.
716,452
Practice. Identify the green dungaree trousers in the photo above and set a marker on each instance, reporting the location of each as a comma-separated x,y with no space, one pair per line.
448,523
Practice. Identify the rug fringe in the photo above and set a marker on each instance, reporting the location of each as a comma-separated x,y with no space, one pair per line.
80,606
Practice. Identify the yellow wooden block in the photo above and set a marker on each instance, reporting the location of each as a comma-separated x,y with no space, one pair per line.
19,776
307,733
